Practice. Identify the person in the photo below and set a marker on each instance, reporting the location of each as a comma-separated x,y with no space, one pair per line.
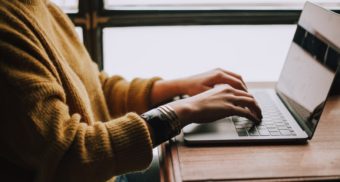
64,120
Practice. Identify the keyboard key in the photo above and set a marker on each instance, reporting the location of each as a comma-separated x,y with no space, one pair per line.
285,132
270,126
264,132
242,132
273,130
273,122
253,133
275,133
261,128
282,128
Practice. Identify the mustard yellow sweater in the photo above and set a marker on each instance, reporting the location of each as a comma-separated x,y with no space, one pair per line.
60,118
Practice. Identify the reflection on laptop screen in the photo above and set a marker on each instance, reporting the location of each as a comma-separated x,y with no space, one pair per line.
307,77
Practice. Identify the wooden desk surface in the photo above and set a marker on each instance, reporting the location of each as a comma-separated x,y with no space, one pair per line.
317,160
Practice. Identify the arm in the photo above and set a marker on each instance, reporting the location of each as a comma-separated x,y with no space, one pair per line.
43,133
122,96
165,90
215,95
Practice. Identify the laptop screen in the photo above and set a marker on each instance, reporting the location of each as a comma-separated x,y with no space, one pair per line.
307,77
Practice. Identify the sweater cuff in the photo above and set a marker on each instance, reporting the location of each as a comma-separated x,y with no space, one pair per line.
149,91
131,142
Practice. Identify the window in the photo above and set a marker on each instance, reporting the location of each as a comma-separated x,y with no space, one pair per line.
173,38
69,6
255,51
79,31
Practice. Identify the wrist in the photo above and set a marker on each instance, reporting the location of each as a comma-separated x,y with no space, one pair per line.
163,124
158,125
183,111
165,90
176,86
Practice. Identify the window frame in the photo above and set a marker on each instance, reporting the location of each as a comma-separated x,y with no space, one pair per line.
93,18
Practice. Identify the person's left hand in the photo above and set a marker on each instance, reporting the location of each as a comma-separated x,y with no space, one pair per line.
166,89
202,82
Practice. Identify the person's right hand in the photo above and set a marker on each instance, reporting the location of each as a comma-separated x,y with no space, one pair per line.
217,103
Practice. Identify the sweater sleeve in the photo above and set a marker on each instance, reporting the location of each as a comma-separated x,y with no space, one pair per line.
39,133
123,96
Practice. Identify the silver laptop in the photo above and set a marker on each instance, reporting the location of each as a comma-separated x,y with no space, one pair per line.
292,111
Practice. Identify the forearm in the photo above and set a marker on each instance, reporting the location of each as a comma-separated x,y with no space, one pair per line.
165,90
122,96
103,150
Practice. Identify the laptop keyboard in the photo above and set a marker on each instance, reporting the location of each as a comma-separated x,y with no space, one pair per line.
273,122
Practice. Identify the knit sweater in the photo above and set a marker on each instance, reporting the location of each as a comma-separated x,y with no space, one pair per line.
61,119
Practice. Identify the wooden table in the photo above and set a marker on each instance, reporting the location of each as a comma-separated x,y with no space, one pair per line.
319,159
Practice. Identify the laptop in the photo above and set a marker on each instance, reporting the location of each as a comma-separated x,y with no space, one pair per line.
292,110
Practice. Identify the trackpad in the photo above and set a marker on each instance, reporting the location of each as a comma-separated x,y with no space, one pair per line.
219,130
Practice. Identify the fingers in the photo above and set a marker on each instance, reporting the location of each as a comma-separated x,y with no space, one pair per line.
242,99
244,112
232,81
234,75
237,76
242,93
247,102
257,108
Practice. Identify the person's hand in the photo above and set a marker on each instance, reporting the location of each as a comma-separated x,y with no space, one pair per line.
164,90
202,82
217,103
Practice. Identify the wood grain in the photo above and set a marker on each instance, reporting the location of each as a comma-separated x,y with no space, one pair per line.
317,160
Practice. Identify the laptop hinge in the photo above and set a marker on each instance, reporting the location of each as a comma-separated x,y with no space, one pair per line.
298,118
